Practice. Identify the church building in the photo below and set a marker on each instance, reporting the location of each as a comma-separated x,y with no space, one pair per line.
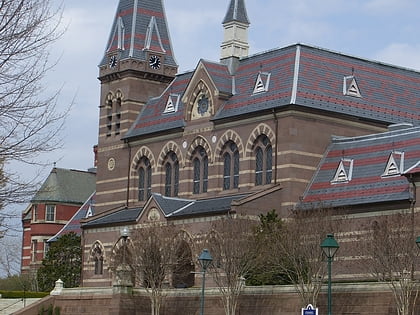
241,135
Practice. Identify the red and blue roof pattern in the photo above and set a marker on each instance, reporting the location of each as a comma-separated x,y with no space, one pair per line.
74,225
129,32
370,182
302,76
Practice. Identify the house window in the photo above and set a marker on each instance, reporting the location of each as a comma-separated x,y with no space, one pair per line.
145,179
34,213
171,174
50,213
200,165
33,250
46,247
263,160
230,155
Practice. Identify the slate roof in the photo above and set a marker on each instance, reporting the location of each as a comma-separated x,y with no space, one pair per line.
236,12
303,76
134,18
171,208
367,160
66,186
74,225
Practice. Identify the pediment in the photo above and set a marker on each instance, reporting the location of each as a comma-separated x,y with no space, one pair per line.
151,213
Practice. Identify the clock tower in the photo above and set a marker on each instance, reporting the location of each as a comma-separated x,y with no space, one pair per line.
138,63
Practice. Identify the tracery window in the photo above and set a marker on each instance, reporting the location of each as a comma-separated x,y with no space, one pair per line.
171,165
145,179
200,165
263,160
98,258
230,154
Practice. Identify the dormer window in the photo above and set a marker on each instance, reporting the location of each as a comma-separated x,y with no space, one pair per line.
395,164
172,104
350,87
262,83
344,172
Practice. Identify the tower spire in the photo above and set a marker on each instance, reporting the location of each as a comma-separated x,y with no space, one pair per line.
235,24
139,28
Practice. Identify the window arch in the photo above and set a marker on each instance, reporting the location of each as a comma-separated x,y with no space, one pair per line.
263,160
144,170
200,165
171,166
98,258
230,156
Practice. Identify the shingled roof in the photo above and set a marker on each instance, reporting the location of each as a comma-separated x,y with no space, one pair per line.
171,208
139,26
301,76
236,12
66,186
364,170
73,225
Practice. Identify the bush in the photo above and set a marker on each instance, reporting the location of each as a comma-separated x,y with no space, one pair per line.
22,294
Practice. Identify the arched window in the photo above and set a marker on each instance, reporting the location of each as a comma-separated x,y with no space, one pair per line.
98,258
171,165
230,156
118,116
109,116
200,165
145,178
263,160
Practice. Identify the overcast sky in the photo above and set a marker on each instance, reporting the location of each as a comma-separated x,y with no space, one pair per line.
383,30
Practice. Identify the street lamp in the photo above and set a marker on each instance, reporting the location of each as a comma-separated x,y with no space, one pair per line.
124,233
205,260
329,247
418,242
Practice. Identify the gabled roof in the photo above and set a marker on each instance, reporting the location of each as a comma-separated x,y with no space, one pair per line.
302,76
236,12
66,186
74,225
171,208
139,26
369,183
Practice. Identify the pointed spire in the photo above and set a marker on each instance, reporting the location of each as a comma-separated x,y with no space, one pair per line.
235,24
236,12
139,27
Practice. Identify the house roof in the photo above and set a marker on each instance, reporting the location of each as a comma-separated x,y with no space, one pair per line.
366,169
66,186
74,225
171,208
139,27
306,77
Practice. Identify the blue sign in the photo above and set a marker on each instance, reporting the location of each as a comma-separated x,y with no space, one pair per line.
309,310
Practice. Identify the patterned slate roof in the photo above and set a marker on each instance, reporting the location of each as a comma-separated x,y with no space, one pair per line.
139,26
171,207
368,176
302,76
236,12
74,225
66,186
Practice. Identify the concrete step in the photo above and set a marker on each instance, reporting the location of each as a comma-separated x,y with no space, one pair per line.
8,306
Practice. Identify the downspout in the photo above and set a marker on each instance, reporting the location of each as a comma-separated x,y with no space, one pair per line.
413,198
128,173
276,123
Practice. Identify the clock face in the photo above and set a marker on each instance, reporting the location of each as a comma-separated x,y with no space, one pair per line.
154,62
112,61
203,105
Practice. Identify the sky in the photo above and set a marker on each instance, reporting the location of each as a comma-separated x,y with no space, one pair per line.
382,30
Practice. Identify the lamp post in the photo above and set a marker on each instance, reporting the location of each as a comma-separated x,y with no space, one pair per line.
418,242
205,260
329,247
124,233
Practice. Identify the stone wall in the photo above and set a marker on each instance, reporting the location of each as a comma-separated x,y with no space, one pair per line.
352,298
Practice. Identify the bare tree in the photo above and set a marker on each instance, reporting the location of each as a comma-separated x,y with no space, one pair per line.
394,256
10,257
154,255
29,120
298,256
233,247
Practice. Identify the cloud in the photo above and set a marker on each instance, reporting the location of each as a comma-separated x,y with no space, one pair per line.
401,54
